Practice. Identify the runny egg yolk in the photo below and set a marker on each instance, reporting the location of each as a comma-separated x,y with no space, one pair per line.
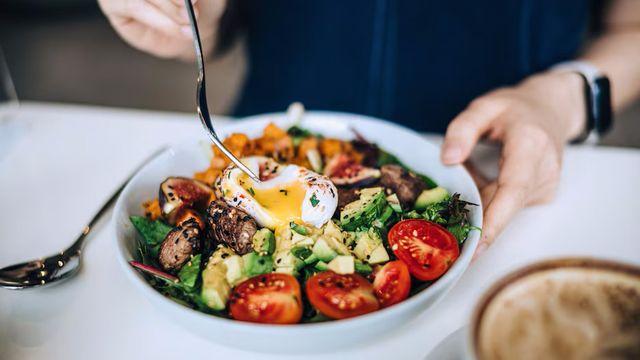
283,202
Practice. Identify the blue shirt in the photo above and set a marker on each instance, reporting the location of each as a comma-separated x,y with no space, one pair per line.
417,63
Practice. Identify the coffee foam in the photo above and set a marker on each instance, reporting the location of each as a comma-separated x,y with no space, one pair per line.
563,313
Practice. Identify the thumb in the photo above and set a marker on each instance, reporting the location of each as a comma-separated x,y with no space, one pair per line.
466,129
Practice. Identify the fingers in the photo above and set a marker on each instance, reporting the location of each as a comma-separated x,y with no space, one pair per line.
466,129
157,19
510,192
176,12
478,176
181,2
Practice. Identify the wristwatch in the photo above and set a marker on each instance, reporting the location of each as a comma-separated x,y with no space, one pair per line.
597,93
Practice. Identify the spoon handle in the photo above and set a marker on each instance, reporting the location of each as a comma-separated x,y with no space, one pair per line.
76,247
64,265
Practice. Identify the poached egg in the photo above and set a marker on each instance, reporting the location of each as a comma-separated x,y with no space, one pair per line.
286,193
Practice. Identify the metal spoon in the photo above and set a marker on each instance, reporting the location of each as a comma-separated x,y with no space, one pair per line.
201,97
64,265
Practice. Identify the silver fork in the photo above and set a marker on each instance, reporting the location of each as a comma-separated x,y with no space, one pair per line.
201,96
61,266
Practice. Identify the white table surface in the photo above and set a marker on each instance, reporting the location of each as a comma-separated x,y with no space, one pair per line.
58,163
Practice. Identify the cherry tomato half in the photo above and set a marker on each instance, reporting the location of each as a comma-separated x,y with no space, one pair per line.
270,298
427,248
392,283
341,296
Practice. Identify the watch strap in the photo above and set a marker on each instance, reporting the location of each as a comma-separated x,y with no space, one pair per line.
597,99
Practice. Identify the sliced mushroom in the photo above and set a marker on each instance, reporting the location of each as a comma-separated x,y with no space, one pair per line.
231,226
179,193
179,245
342,170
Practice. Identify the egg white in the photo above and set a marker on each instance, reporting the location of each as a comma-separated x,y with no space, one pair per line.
316,207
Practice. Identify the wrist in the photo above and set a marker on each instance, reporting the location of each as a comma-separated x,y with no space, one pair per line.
576,114
565,90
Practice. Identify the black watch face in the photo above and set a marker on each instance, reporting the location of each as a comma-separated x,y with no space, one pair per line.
603,113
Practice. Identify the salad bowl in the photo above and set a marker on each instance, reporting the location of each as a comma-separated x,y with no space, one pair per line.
186,158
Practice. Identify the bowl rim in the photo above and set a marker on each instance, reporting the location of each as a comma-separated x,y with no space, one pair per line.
449,278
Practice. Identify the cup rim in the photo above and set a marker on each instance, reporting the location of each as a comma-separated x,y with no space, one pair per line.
539,266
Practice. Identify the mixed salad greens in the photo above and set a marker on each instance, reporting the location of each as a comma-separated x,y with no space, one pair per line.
336,229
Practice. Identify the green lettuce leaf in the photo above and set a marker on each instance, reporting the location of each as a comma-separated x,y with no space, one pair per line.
189,273
152,232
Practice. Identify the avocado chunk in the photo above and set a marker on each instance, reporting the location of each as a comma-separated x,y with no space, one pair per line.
283,238
378,255
366,242
301,240
256,264
215,287
362,212
362,268
264,242
301,252
221,253
342,264
337,245
321,266
332,230
323,251
311,259
431,196
235,269
394,202
287,263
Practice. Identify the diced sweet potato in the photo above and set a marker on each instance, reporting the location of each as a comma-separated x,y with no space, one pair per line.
152,209
209,175
273,131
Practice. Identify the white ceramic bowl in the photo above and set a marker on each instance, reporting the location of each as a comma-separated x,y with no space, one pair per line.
187,158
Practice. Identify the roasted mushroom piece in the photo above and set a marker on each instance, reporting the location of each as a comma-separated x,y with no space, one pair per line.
344,171
180,193
185,215
405,184
179,245
231,226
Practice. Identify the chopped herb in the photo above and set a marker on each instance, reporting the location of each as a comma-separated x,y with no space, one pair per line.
251,191
284,191
314,200
300,229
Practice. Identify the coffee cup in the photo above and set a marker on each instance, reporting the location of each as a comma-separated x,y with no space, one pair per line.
570,308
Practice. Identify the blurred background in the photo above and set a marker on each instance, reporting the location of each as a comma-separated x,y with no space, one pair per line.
66,51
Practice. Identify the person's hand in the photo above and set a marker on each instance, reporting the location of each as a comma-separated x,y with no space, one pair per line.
161,27
532,121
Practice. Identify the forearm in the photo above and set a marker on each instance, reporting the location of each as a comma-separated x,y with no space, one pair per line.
617,51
